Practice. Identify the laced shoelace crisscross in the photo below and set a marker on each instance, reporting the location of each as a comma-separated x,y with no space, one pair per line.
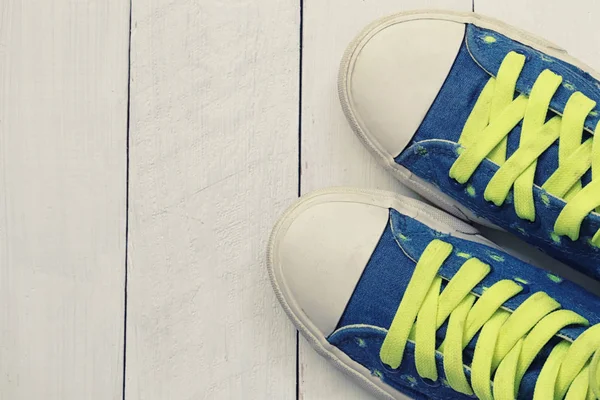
508,342
494,116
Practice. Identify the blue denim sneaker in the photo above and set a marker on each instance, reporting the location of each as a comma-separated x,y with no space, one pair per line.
411,301
488,122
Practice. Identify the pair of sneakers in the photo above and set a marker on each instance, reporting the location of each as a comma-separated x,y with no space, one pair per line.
494,126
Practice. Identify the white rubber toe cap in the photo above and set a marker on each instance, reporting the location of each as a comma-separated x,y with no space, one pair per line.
321,254
395,74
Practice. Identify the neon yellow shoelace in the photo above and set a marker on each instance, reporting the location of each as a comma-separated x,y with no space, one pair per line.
508,342
493,117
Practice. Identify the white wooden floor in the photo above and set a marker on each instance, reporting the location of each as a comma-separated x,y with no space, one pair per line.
145,151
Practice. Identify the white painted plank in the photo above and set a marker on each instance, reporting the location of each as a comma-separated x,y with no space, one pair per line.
63,121
332,155
214,159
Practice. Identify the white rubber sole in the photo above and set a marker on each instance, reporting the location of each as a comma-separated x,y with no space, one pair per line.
429,215
420,186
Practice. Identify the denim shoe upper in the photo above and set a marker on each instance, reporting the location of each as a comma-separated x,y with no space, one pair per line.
369,314
434,148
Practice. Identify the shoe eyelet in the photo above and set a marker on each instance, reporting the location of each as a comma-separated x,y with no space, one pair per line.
524,284
456,184
592,244
524,54
430,383
494,207
528,225
556,238
387,368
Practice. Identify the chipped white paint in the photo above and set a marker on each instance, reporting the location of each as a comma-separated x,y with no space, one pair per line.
63,123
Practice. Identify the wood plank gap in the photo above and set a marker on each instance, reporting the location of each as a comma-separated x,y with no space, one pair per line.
300,58
127,130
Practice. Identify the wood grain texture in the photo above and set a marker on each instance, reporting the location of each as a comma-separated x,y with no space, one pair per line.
63,122
214,160
332,155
